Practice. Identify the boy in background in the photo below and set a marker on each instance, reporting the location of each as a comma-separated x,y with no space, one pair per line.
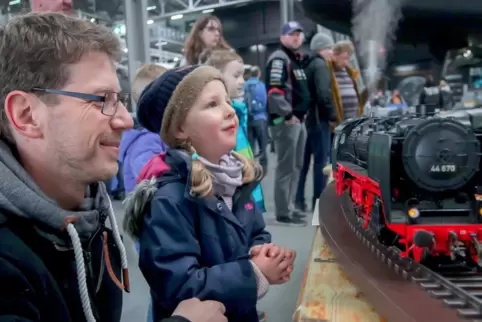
255,100
139,145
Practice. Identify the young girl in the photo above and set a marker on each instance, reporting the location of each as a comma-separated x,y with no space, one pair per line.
199,231
231,67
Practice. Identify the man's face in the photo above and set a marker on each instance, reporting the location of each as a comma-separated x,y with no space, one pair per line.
77,139
342,60
327,53
64,6
293,40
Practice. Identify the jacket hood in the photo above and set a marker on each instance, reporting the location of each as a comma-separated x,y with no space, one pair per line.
312,56
20,196
148,183
131,136
154,168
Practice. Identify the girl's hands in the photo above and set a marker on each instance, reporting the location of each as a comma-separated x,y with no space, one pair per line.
271,267
279,256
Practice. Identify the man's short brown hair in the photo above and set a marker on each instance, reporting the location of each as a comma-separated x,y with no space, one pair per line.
344,46
145,75
36,50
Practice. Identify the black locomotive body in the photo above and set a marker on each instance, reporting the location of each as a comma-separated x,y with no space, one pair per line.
416,181
433,162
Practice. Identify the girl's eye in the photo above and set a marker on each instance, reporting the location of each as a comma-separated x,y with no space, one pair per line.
212,104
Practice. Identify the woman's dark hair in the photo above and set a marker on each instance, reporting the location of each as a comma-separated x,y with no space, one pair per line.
429,82
194,45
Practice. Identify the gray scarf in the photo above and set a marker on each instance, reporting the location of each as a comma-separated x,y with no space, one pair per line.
227,175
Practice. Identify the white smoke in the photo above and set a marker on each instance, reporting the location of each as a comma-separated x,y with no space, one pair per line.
374,27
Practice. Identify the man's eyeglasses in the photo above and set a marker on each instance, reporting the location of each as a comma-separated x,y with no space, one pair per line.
110,100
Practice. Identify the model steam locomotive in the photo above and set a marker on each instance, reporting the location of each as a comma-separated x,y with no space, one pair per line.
416,182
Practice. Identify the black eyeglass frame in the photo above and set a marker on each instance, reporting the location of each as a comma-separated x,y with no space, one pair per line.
123,98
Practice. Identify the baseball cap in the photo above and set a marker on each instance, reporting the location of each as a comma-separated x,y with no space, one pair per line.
291,27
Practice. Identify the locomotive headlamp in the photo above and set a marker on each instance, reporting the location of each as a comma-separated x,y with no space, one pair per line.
480,211
413,213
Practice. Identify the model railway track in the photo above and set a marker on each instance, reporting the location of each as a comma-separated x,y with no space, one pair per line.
460,291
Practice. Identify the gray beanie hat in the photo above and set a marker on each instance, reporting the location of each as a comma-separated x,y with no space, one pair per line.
321,41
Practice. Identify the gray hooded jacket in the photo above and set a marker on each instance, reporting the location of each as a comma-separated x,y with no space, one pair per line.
20,196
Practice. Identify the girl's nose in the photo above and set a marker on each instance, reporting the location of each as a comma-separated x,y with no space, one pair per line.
230,112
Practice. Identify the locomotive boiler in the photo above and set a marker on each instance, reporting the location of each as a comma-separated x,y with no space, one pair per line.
416,182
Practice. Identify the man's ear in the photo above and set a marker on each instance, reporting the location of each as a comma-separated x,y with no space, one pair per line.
19,109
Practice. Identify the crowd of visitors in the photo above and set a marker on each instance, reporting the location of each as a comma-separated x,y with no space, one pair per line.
191,160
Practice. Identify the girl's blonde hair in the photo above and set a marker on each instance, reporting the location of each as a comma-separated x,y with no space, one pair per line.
179,106
219,58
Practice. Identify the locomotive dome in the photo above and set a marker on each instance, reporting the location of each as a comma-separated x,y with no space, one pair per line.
441,154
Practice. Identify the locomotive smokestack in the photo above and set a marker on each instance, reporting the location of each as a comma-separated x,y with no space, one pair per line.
374,25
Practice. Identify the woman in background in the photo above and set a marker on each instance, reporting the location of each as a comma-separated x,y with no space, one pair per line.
207,33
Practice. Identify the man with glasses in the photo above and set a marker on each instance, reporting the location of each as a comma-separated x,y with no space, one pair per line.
61,120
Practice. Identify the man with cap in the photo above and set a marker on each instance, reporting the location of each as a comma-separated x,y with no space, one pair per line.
288,102
320,113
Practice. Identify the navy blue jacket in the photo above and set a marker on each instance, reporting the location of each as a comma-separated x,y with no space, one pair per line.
197,247
38,282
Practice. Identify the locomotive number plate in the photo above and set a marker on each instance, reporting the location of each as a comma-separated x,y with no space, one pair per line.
443,168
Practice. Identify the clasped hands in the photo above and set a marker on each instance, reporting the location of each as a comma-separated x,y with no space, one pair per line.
274,261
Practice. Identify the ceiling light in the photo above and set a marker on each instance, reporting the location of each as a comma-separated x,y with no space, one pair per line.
176,17
150,22
208,10
151,8
14,2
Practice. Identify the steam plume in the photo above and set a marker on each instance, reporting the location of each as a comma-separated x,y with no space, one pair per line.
374,25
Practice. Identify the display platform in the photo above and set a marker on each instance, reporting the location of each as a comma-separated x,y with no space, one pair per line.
390,294
327,294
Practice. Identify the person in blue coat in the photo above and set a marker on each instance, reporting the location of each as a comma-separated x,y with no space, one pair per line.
137,147
193,213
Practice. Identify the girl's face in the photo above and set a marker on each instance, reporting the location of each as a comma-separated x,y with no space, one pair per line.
211,125
233,75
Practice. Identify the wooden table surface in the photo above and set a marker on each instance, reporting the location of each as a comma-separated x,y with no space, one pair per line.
327,294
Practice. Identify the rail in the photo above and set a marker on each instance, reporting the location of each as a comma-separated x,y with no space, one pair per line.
457,290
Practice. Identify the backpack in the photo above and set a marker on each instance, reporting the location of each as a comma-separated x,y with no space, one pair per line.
254,106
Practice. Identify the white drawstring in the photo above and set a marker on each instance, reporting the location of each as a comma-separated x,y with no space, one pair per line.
80,263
